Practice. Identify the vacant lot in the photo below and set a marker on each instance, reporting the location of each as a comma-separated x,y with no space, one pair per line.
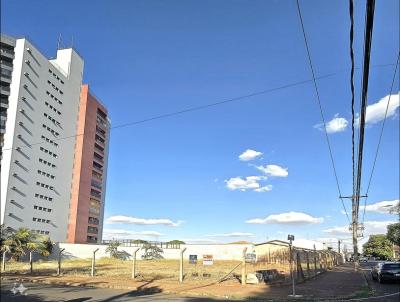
145,269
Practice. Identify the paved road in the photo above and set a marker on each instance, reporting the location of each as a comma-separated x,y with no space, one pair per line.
42,292
380,289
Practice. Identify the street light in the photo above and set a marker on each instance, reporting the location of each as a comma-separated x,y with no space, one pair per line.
291,239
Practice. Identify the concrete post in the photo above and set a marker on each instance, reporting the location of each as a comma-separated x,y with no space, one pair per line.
244,266
291,269
4,260
30,261
134,263
181,266
59,262
93,262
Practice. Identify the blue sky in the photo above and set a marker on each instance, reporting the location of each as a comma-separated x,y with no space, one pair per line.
145,58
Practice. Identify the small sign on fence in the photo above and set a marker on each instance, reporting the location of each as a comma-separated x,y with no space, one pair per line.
193,259
208,260
251,258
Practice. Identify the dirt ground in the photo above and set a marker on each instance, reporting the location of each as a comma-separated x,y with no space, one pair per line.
339,282
146,270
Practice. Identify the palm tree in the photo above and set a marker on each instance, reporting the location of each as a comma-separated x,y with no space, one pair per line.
38,244
17,243
112,248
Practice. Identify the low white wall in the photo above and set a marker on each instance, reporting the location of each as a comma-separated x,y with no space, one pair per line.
219,251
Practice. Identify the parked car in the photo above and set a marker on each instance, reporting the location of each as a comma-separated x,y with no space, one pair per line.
363,259
386,271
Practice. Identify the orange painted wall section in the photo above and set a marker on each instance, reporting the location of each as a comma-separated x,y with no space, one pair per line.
83,167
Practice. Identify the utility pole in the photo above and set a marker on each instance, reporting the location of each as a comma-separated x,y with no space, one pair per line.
339,246
354,227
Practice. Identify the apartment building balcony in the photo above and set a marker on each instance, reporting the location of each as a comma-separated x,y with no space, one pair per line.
98,158
5,78
5,90
95,194
92,230
101,141
6,65
97,166
7,53
93,220
101,123
4,103
99,149
96,184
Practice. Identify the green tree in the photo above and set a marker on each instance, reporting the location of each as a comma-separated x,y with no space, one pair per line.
112,248
38,244
17,243
139,241
378,246
152,252
176,242
393,233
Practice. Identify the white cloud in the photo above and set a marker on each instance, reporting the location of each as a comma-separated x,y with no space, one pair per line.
287,218
274,170
337,124
383,207
264,188
243,184
371,228
249,155
376,112
126,234
121,219
234,234
342,230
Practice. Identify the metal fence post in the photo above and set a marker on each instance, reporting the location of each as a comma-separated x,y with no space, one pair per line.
181,266
134,263
93,262
59,262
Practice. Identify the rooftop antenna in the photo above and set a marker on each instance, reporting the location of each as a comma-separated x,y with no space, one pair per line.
59,41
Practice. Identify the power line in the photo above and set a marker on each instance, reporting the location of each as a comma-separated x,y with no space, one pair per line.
351,10
364,92
320,108
369,22
197,108
381,134
202,106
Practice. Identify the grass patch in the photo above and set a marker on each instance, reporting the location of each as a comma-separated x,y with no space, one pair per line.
146,269
364,292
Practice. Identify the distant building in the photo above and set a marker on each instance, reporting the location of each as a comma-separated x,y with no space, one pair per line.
40,116
90,171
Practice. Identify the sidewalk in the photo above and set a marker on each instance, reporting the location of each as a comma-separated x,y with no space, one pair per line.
340,282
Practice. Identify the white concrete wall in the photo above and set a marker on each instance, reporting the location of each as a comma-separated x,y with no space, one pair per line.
31,68
219,251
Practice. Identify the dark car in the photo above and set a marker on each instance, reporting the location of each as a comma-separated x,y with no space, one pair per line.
386,271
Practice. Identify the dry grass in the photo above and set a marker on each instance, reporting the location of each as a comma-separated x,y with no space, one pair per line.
146,269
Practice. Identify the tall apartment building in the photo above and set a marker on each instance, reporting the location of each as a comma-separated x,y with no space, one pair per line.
90,171
39,159
7,45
